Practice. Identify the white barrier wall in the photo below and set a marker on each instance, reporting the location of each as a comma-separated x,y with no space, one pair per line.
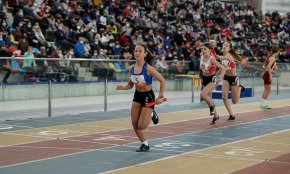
40,91
285,79
282,6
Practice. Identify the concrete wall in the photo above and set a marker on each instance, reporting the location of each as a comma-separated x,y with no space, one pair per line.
285,79
282,6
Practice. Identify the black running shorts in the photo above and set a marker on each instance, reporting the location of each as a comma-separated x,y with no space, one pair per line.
144,97
233,80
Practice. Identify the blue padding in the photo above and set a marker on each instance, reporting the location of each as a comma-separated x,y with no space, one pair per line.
218,93
219,87
248,92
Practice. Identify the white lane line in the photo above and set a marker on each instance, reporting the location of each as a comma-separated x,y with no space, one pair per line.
239,147
27,135
269,142
45,147
220,137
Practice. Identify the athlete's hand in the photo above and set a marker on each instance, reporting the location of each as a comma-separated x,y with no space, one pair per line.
218,79
273,73
160,99
119,87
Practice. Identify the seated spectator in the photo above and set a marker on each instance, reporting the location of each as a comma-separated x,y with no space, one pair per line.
97,45
27,29
2,41
42,64
41,41
3,64
123,39
42,54
4,27
79,49
18,18
61,39
116,50
23,44
29,62
101,68
65,70
16,36
69,55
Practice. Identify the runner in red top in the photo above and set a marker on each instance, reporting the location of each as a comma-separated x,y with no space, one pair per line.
210,78
269,66
231,80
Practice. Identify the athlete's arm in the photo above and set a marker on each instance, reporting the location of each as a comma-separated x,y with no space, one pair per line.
129,85
125,87
222,69
268,67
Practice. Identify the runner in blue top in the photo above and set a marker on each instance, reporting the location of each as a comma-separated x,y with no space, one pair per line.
141,76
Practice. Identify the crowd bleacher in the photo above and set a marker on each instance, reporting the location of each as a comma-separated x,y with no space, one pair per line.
173,30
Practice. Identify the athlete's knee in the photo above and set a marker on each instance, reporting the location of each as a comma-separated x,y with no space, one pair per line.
235,101
142,126
225,97
202,95
135,125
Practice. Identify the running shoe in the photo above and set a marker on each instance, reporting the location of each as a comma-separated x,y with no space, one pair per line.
155,117
265,106
243,87
231,117
214,119
143,148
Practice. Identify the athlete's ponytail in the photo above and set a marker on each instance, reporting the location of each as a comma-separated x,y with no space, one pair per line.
234,53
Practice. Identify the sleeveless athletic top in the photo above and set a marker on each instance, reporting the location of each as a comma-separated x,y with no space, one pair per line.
229,64
267,62
142,78
207,67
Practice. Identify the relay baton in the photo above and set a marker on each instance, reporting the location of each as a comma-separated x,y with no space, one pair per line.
155,102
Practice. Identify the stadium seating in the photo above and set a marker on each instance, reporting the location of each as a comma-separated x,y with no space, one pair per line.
16,67
118,67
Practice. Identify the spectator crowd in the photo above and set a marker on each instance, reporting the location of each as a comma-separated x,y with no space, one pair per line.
173,30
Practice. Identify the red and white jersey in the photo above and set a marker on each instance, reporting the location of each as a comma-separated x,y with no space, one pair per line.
206,66
229,64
